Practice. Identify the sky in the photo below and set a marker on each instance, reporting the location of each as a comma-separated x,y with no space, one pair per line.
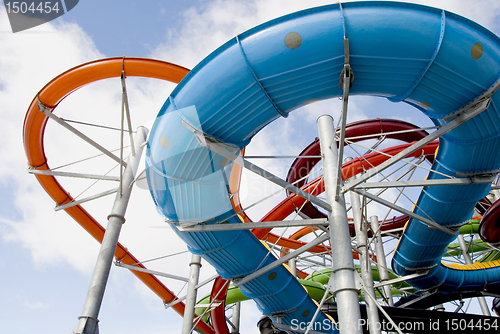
47,258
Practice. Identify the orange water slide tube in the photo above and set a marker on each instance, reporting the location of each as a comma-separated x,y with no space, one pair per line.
33,135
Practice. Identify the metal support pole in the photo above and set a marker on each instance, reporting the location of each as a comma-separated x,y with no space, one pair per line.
293,266
440,308
468,260
88,323
381,264
496,194
366,268
236,318
194,275
343,265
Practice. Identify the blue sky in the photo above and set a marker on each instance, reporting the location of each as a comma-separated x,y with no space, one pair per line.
131,28
47,258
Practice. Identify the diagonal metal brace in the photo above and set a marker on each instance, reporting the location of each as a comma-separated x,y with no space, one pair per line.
257,225
48,112
430,223
240,281
427,183
346,79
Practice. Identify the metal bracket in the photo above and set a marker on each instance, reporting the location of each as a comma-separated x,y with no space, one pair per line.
119,217
347,74
480,175
471,105
334,289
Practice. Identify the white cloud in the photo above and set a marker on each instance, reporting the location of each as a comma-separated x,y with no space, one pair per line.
35,305
207,27
484,13
211,24
29,60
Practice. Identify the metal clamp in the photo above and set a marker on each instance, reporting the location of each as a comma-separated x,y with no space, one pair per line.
117,217
347,73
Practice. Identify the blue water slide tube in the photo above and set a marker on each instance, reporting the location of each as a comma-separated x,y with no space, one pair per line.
432,59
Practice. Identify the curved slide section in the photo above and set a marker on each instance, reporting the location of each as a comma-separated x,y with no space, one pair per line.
434,60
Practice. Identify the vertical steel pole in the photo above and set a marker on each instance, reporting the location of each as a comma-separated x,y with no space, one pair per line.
468,260
292,263
381,264
87,322
236,318
366,267
194,275
343,266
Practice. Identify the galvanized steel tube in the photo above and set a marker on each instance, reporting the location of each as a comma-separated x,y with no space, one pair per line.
343,265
